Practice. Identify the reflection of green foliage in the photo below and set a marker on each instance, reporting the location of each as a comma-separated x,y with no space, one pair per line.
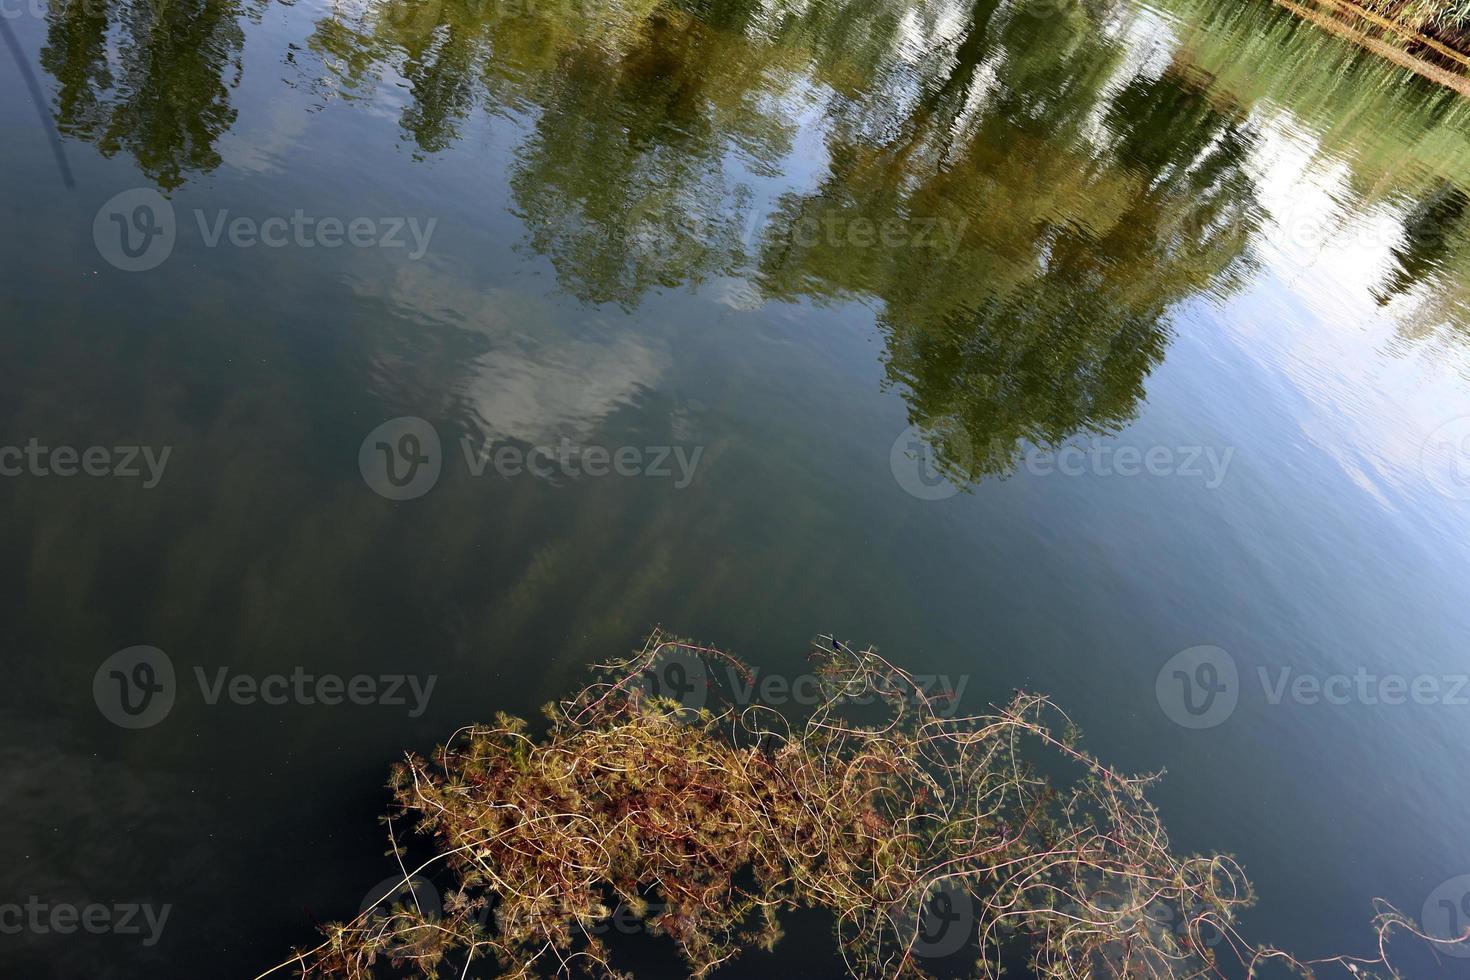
1429,235
1047,305
1038,366
1023,259
1019,209
623,184
1394,132
1431,263
1396,138
168,100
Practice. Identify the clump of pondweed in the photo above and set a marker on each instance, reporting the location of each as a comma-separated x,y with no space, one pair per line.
709,823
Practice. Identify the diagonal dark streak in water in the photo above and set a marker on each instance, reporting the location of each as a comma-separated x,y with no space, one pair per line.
36,97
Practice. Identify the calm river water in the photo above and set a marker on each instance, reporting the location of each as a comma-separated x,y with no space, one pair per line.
379,366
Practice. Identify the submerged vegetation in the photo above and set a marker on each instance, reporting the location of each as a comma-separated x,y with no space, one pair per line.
709,824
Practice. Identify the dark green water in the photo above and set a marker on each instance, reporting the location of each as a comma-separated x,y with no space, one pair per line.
845,280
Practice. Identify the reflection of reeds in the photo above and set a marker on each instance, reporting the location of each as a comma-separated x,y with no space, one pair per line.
1397,137
1425,15
1435,30
1407,42
706,824
1424,23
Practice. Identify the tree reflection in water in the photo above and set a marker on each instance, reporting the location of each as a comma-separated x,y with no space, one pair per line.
1021,206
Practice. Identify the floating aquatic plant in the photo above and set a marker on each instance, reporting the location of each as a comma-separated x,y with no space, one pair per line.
708,824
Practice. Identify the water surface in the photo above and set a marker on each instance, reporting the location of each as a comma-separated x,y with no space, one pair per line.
906,275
